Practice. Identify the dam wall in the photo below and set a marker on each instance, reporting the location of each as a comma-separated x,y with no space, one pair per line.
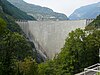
50,35
25,27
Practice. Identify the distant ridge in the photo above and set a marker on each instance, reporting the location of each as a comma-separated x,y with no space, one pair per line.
38,12
86,12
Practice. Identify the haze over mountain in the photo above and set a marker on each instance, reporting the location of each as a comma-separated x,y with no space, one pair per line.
86,12
38,12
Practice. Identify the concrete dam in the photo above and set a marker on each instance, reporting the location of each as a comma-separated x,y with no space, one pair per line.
49,36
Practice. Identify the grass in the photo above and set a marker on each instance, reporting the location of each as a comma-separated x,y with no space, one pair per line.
98,73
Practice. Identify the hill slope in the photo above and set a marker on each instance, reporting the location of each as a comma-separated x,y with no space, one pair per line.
25,49
37,11
86,12
13,11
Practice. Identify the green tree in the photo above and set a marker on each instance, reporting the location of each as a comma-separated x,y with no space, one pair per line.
47,68
27,67
80,51
6,59
2,25
13,46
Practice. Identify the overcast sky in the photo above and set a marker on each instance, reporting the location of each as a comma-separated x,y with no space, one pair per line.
62,6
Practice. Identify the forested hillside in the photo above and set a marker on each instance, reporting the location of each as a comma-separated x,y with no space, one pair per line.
15,49
13,11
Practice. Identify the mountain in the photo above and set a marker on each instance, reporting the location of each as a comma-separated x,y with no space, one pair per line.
13,11
40,13
86,12
20,44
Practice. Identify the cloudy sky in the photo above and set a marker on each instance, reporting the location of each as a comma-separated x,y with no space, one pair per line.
62,6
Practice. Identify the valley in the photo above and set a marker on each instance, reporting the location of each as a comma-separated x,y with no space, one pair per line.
36,40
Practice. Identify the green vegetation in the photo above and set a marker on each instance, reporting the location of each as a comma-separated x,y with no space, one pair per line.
81,50
10,13
16,56
14,49
94,25
16,53
2,25
14,11
11,25
27,67
98,73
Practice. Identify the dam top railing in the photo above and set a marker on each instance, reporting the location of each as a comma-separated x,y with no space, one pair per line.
21,20
87,21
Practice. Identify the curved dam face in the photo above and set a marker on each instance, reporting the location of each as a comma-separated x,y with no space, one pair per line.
49,36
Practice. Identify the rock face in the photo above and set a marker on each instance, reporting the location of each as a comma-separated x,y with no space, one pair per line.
1,10
49,36
86,12
40,13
